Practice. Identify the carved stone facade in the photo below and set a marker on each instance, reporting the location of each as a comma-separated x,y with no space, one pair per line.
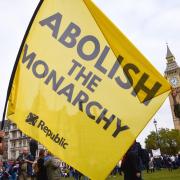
172,74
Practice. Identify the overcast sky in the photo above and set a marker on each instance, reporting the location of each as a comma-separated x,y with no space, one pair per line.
149,24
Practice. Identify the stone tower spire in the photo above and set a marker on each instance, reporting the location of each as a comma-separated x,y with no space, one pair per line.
171,63
169,55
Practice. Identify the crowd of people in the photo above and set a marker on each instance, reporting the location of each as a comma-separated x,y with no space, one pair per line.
165,161
137,159
48,167
44,167
29,166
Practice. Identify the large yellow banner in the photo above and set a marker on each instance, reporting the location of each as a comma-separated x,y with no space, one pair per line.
81,88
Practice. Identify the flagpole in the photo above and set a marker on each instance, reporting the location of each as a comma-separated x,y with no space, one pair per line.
17,61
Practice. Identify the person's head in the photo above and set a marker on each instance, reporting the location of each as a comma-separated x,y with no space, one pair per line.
25,150
135,147
174,93
49,153
42,153
45,153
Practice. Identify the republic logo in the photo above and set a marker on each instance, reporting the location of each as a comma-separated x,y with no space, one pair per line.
32,119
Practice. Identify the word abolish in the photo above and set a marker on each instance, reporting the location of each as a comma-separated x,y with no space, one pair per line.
71,38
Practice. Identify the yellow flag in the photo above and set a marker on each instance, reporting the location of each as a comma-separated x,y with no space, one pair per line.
81,88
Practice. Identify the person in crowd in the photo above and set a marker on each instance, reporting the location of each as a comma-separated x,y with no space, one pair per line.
41,173
47,155
13,171
114,171
157,163
131,163
165,160
5,171
52,165
169,163
145,159
33,146
178,160
1,142
151,164
173,161
64,169
77,175
71,172
25,161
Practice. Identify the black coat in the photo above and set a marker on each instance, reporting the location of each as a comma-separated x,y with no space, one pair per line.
131,163
41,174
33,145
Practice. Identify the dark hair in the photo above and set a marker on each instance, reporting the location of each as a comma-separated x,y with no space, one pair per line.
41,152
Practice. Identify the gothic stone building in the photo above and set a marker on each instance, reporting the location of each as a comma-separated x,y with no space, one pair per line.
172,74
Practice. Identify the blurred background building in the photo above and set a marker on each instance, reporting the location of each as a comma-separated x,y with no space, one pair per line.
14,141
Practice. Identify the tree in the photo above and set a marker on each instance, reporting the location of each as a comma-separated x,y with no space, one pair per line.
167,140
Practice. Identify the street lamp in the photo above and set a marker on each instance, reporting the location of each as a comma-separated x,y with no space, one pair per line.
155,124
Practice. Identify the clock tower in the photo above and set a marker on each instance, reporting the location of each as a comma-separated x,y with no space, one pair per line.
172,74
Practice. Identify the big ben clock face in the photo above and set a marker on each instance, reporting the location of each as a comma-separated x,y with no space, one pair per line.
173,81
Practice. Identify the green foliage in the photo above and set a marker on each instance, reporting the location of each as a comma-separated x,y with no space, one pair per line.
167,140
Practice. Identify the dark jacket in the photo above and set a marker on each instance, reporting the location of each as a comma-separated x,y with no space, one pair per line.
41,174
131,164
24,166
33,146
